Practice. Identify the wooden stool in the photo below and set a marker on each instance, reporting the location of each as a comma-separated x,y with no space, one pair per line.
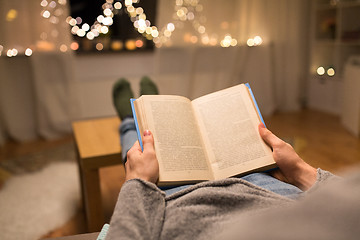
98,145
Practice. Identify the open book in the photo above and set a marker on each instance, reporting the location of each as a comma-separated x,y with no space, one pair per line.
212,137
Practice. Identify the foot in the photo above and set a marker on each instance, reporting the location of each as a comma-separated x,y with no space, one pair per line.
121,98
148,87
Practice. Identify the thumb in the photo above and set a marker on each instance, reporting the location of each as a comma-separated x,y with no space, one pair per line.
148,141
268,136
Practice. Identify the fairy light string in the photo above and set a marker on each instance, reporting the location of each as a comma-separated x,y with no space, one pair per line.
184,11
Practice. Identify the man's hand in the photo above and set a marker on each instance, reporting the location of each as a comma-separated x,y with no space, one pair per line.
143,165
292,168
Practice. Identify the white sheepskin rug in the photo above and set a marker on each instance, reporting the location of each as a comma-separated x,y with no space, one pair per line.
32,205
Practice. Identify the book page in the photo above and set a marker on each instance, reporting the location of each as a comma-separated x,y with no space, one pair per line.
229,124
178,144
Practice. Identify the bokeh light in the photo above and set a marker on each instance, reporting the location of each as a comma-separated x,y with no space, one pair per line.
320,71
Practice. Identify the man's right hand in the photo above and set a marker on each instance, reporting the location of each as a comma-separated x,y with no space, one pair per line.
292,168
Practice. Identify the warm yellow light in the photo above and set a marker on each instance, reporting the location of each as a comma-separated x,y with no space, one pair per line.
130,45
250,42
28,52
74,29
170,27
12,52
257,40
117,5
52,4
116,45
90,35
107,21
201,29
142,16
100,18
95,32
99,46
133,15
180,13
11,15
141,29
187,37
81,33
46,14
9,53
331,72
62,2
44,3
85,27
179,2
194,2
63,48
320,70
193,39
128,2
155,33
233,42
142,23
139,10
107,12
131,9
227,41
139,43
213,41
74,46
205,40
45,46
54,20
72,21
167,33
104,29
190,16
68,19
156,40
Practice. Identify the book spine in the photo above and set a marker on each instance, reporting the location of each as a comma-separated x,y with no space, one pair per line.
132,100
255,103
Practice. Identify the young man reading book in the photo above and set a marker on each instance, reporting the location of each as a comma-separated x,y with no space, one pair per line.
208,210
122,93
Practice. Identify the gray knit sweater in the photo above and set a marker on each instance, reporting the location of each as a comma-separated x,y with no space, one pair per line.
232,209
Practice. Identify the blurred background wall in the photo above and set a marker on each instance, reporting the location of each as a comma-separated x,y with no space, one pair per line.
46,83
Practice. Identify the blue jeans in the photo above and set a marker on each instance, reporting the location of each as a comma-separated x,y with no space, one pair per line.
128,137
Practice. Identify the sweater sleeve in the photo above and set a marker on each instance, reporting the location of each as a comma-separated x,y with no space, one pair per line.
329,213
139,212
321,178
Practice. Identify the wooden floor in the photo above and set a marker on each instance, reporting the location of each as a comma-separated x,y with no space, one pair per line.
319,138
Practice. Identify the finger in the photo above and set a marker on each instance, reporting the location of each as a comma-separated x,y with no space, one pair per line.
268,136
133,150
148,141
136,146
